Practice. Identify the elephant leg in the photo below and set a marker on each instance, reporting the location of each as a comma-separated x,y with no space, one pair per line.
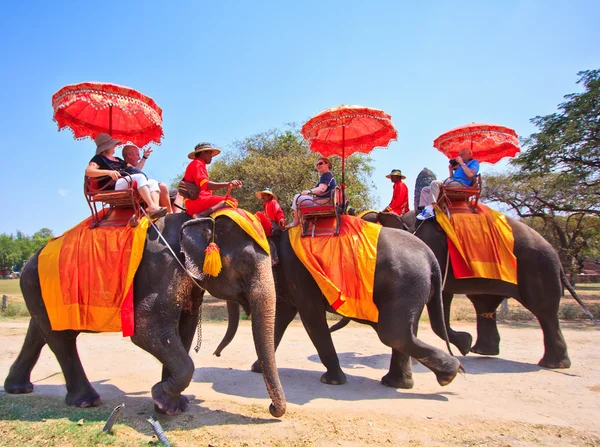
165,344
462,340
18,380
188,324
400,373
555,346
284,315
488,337
400,337
315,322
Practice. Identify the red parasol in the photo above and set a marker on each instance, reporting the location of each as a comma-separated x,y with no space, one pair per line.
346,130
490,143
91,108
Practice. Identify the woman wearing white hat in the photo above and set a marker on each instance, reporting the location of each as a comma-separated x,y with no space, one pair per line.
105,164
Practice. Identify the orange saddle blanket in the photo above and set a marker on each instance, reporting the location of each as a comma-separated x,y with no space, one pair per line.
480,245
86,276
343,266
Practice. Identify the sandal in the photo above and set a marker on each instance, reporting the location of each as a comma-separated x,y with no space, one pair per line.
162,211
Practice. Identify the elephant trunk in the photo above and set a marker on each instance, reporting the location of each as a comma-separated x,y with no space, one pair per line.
233,321
261,296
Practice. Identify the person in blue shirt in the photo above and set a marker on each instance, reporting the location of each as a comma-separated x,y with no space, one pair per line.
461,169
319,195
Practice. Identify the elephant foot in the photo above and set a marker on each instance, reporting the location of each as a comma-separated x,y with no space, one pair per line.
85,399
482,349
338,378
17,388
405,383
449,371
168,404
256,367
564,363
463,341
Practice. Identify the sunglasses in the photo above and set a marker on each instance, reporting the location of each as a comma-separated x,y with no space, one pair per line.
320,163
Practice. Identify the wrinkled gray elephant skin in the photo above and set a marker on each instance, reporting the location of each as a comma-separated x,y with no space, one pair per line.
540,278
407,278
166,303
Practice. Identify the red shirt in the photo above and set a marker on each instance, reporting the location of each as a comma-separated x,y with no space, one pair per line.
274,211
399,203
196,173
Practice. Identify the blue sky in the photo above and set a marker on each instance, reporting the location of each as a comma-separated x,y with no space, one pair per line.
222,71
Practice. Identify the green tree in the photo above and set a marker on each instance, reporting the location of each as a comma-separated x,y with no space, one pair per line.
567,145
15,250
281,160
555,183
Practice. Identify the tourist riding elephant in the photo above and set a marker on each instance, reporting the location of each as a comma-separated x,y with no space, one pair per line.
166,308
407,277
540,278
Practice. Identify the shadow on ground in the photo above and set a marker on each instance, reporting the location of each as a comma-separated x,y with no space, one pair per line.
47,403
302,386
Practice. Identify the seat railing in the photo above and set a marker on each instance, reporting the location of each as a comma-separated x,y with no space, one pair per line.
455,191
315,208
104,197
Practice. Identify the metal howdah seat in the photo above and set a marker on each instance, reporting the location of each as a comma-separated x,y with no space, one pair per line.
326,207
453,194
119,203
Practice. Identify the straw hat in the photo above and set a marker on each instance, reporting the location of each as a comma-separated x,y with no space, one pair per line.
397,172
104,141
201,147
265,191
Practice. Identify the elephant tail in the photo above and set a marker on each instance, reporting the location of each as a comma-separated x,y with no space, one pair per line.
571,289
340,324
435,306
233,321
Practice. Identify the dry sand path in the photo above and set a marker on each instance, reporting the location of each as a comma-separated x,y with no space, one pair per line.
506,400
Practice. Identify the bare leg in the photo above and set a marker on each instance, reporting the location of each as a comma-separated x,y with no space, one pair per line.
165,200
145,193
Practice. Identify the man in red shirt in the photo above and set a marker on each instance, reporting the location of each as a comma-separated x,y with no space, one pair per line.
399,203
196,173
273,215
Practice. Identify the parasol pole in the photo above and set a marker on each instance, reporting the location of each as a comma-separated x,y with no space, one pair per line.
110,120
343,163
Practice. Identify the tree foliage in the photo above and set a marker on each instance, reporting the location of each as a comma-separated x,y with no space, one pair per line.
567,145
282,161
555,183
16,249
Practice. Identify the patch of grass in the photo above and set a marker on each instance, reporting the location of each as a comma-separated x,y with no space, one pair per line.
10,287
37,420
15,310
574,312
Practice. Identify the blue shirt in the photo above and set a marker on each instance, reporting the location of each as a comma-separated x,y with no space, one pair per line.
328,179
459,174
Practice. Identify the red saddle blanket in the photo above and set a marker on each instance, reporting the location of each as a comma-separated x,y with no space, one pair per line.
343,266
86,276
480,245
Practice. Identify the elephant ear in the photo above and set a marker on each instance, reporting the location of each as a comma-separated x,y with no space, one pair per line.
194,238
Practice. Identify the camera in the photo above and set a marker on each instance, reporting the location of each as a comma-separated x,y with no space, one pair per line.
453,162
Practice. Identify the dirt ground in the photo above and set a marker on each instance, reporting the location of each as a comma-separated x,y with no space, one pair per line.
500,401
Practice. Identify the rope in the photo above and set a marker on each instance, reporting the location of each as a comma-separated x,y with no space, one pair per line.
491,315
199,339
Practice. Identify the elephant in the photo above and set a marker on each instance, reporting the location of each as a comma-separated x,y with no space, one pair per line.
407,277
540,278
166,309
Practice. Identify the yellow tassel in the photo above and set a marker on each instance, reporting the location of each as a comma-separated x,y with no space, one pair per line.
212,261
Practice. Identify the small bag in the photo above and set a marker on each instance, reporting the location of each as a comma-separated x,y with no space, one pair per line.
188,190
